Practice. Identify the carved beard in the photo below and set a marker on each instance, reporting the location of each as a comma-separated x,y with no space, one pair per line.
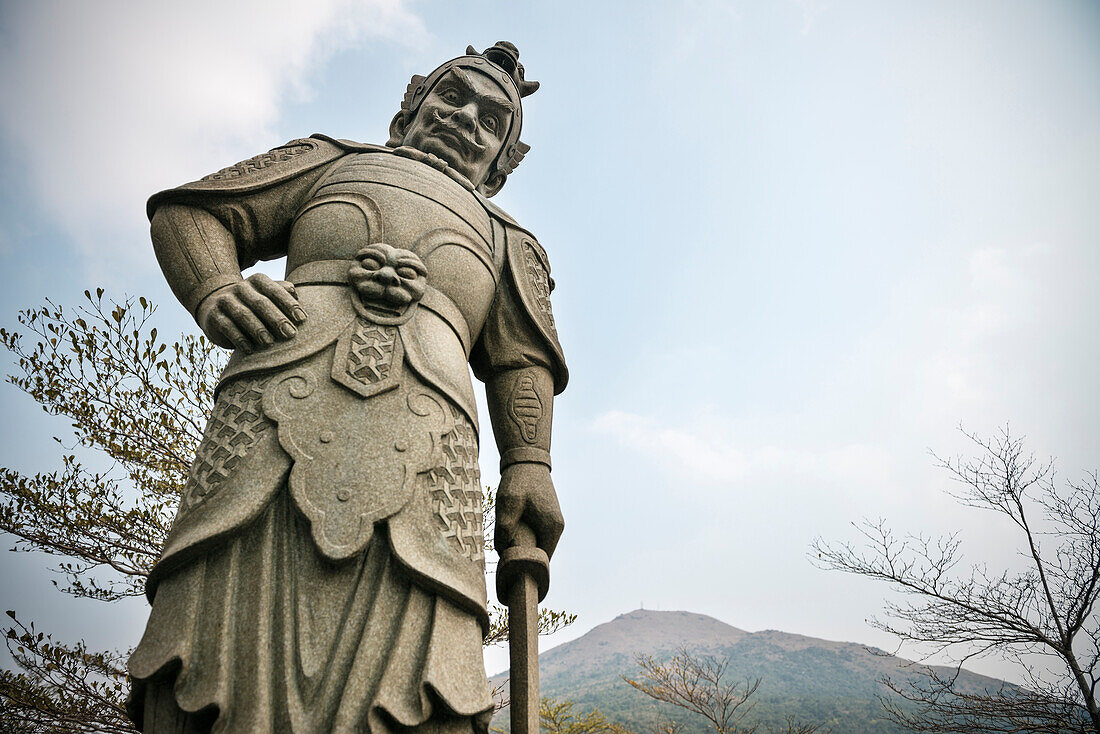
468,146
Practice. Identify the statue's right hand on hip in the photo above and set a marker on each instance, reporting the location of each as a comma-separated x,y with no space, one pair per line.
251,314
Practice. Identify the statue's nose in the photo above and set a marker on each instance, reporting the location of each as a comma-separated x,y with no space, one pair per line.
465,116
387,275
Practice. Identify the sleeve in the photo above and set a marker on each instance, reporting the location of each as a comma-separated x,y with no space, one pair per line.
256,199
520,330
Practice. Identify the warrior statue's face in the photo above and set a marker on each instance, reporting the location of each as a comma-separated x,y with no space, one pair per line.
464,120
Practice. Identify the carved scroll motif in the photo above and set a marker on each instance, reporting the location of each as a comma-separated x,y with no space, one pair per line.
356,461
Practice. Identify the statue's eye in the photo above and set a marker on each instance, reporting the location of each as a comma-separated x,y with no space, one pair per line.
408,273
450,96
371,263
490,122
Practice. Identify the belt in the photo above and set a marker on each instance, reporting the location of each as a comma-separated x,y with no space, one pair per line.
335,272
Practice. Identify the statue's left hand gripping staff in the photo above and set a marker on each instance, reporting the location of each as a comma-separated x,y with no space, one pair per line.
529,523
199,259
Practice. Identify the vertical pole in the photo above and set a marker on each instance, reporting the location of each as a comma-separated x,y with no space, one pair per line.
523,633
523,654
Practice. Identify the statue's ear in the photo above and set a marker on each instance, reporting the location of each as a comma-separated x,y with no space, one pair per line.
493,184
397,129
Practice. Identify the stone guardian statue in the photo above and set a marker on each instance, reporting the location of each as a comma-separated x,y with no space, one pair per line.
325,571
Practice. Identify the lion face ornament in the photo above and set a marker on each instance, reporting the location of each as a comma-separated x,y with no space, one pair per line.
389,281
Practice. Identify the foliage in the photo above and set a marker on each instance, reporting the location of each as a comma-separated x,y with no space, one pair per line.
558,717
62,689
697,682
129,396
1045,613
138,401
141,403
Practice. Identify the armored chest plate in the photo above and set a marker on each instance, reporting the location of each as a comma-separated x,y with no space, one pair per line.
371,198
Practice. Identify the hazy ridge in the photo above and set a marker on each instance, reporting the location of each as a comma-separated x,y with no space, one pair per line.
817,680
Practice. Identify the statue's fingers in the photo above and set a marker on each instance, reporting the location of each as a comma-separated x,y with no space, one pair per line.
247,322
298,313
282,294
509,510
226,329
548,524
261,281
270,314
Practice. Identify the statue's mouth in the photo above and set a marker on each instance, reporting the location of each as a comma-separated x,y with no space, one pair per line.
384,309
453,141
382,312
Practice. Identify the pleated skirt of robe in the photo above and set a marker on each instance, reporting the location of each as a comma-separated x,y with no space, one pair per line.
266,635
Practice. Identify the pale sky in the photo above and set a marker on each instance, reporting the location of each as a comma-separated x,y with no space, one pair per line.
796,244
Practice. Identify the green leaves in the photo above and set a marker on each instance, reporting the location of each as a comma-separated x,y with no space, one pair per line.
141,403
62,688
558,717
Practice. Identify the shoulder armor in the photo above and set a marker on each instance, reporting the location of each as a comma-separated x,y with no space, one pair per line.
257,173
504,217
351,146
530,271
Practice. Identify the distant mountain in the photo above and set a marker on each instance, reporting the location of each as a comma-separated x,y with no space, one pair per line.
834,683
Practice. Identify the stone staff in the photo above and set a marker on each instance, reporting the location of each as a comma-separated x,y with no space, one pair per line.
523,578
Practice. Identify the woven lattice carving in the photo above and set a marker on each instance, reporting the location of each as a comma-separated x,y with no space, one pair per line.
235,424
371,354
260,162
454,488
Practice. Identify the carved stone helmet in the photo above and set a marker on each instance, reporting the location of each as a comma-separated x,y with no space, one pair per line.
499,62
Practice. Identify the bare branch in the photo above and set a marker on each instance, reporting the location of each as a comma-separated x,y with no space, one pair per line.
1048,609
696,682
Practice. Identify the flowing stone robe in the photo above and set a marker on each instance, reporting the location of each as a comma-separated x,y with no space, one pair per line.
325,572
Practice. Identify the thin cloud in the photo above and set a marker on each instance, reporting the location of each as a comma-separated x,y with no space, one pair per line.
811,11
133,97
712,453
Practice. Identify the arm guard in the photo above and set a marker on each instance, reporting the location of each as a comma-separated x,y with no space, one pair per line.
521,407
